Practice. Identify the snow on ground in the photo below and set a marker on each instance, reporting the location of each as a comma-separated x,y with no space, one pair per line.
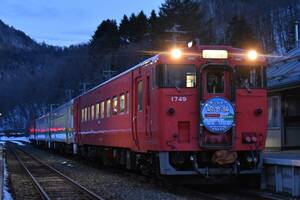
5,138
18,143
6,193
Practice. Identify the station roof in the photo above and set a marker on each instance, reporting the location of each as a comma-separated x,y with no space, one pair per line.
285,72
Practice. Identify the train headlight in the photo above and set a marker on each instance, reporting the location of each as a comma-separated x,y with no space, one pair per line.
252,55
176,53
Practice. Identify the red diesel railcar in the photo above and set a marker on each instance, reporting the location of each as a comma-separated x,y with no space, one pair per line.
201,110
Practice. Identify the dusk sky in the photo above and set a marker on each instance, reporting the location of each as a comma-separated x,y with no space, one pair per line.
66,22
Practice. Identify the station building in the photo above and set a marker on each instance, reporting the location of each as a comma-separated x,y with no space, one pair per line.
284,102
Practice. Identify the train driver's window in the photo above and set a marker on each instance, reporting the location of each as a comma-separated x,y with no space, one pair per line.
140,96
176,76
215,82
115,105
249,77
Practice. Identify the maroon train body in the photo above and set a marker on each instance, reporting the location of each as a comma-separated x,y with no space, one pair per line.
203,112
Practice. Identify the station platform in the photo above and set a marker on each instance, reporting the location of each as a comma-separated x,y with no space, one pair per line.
281,172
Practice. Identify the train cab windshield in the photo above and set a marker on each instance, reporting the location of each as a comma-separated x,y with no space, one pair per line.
250,77
176,76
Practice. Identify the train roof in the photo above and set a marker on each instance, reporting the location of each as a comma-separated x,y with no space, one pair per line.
149,60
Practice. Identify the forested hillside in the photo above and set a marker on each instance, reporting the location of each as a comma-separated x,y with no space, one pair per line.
33,75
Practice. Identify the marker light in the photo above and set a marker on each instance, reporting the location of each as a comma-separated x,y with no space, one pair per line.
176,53
252,55
190,44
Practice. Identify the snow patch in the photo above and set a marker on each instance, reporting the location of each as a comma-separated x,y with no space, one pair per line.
18,143
5,138
6,193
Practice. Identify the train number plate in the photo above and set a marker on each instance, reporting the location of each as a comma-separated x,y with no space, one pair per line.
178,99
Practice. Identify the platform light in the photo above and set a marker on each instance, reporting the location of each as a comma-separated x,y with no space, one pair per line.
252,55
176,53
215,54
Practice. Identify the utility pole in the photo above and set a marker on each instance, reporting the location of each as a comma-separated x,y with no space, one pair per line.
176,34
107,74
84,86
68,94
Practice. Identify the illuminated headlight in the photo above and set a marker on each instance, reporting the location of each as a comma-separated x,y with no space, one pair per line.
252,55
176,53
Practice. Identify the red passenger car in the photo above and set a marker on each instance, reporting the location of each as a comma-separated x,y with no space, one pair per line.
201,110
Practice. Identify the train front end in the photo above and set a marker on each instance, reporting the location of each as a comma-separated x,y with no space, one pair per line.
211,111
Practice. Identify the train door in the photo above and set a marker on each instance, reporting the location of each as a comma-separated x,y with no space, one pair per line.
138,110
77,120
216,110
216,82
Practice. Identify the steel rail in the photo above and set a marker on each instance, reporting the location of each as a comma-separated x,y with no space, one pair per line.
43,193
89,192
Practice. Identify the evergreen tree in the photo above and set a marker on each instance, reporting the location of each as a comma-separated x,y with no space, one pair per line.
104,43
141,26
154,28
185,13
106,38
124,28
239,34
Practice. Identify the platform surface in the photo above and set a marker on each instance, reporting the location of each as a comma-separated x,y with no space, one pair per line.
291,158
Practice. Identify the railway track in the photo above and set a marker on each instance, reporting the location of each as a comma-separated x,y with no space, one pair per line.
50,183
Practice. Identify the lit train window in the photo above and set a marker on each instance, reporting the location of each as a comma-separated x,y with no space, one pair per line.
176,76
127,102
190,80
102,110
122,103
92,112
88,113
85,114
97,110
108,108
82,115
215,82
140,96
115,105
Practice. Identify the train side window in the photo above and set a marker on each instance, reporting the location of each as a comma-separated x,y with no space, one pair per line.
122,103
97,110
88,113
82,115
92,112
115,105
140,96
127,102
108,106
102,110
215,82
85,114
